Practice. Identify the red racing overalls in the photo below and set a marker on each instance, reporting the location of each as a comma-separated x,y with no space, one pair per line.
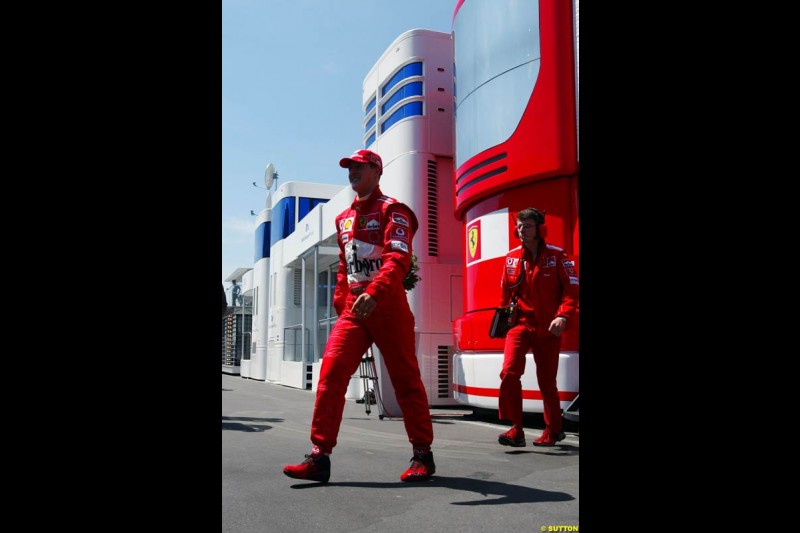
374,239
546,289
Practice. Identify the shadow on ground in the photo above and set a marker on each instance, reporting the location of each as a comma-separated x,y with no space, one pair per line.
228,424
506,493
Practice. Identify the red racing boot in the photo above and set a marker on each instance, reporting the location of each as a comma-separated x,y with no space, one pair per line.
316,467
549,439
513,437
422,467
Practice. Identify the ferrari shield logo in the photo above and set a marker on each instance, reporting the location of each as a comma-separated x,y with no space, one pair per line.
472,240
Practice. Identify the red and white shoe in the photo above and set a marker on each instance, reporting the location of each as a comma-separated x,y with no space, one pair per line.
422,468
549,439
513,437
316,467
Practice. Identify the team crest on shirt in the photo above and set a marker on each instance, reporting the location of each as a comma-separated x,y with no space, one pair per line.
369,221
397,218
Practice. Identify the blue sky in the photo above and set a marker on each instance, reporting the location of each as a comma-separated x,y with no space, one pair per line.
292,72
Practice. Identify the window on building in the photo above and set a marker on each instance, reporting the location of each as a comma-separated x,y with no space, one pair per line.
307,204
412,89
283,217
412,69
262,241
408,110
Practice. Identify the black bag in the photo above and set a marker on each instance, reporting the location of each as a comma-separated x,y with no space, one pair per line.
500,324
503,320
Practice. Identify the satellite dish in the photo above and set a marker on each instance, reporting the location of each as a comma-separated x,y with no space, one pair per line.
269,175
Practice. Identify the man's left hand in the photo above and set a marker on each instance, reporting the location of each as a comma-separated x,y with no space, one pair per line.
557,325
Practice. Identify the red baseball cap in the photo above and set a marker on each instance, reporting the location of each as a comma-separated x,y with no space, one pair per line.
362,156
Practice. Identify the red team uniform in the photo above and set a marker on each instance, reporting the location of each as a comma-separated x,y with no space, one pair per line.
547,288
375,242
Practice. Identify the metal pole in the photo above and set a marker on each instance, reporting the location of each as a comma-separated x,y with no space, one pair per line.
303,312
315,335
241,327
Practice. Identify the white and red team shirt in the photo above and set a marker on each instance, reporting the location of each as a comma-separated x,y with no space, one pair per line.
547,287
375,250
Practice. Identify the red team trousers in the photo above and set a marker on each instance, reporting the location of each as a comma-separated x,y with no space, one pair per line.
391,328
519,340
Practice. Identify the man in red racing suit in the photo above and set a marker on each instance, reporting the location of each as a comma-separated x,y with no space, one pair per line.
374,236
544,280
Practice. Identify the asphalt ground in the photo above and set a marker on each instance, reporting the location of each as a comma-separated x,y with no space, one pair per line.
478,486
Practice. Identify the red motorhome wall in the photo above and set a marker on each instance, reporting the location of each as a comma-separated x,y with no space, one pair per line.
558,198
536,167
544,144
